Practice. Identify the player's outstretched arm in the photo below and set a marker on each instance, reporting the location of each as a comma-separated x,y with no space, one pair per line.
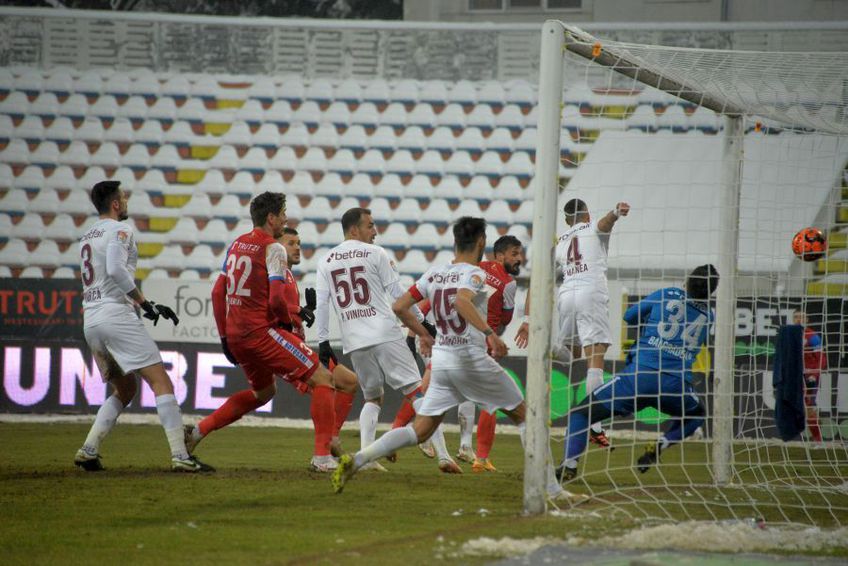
466,309
606,223
636,313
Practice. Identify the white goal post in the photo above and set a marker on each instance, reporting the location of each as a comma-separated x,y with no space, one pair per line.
706,78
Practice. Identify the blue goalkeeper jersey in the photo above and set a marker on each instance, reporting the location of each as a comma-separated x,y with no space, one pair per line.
674,328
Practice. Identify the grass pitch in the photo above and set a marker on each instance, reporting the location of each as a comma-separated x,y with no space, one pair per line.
261,507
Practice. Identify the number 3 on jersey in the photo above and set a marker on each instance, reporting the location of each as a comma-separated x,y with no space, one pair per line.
235,263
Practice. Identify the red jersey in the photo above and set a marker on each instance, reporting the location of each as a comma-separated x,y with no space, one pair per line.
502,301
253,261
292,296
814,359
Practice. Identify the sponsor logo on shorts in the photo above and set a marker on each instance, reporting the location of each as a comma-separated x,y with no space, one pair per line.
297,353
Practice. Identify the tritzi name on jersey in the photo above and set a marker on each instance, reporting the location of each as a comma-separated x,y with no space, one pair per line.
582,254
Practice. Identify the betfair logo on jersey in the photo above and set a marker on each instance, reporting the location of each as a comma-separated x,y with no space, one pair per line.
351,254
449,277
95,233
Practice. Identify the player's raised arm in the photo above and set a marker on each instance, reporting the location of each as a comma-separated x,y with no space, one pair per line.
606,223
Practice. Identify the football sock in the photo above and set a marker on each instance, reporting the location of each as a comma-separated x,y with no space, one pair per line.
597,428
342,402
389,443
234,408
594,379
103,423
404,415
813,425
323,418
485,434
466,413
368,423
438,438
172,422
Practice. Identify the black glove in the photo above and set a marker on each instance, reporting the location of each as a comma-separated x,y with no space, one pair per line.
307,315
311,299
410,341
430,328
325,353
230,357
152,311
286,326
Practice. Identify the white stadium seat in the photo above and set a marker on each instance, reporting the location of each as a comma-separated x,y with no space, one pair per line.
413,139
453,116
337,114
395,237
251,112
408,212
77,203
420,188
184,232
422,115
107,156
349,91
365,115
62,229
433,92
267,137
135,108
291,90
30,228
499,140
150,133
238,135
405,92
177,87
394,115
372,163
308,113
360,186
47,254
64,272
263,90
401,163
45,202
326,136
332,235
415,263
62,179
31,128
120,131
46,155
431,164
354,138
15,104
32,272
46,105
320,90
376,92
241,185
460,164
14,253
279,113
383,139
481,117
471,140
491,93
381,211
318,211
450,189
105,107
462,92
284,160
438,212
30,179
479,189
61,130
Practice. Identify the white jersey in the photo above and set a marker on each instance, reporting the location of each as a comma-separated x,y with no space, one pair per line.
458,344
108,257
361,282
582,254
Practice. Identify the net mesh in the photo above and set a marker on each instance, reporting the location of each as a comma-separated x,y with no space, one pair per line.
623,140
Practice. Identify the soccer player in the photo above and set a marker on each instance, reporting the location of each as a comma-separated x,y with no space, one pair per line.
344,380
362,282
120,345
248,301
463,357
814,362
583,297
674,325
508,253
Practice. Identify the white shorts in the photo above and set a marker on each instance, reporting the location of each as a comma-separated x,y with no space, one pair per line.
390,362
121,341
487,385
583,317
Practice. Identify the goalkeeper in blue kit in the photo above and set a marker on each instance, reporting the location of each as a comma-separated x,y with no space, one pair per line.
674,326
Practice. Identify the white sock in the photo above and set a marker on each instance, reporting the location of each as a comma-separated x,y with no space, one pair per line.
438,438
172,422
664,443
103,423
594,379
466,412
597,428
368,424
387,444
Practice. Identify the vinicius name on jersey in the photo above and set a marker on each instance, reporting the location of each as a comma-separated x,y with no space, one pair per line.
356,313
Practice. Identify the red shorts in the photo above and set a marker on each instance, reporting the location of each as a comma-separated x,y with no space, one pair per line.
274,352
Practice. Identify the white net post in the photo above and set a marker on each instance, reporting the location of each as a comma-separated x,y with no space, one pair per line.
722,434
542,273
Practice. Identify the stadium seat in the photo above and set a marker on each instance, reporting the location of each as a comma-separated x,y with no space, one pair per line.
438,213
371,162
491,93
326,136
184,232
75,107
442,139
198,207
107,156
320,90
492,236
207,88
471,140
262,89
120,131
433,92
376,92
462,93
228,209
431,164
90,177
45,202
500,141
332,235
401,163
383,139
467,208
62,179
297,135
365,115
345,204
29,81
117,84
521,232
45,106
135,109
180,134
349,91
479,189
59,81
241,185
284,160
499,213
64,272
171,258
300,184
61,130
354,138
510,190
292,90
394,116
414,263
705,120
14,253
337,114
511,118
105,108
213,183
308,113
77,203
176,87
453,116
395,237
404,91
30,129
266,137
481,117
16,152
422,115
526,141
390,188
450,189
674,118
225,159
412,138
30,228
62,229
420,188
238,135
15,105
203,259
144,82
32,272
360,186
427,238
251,112
519,165
521,93
47,254
460,164
308,236
46,155
408,212
524,214
318,211
136,158
7,128
195,274
150,134
381,211
254,161
313,160
31,179
279,113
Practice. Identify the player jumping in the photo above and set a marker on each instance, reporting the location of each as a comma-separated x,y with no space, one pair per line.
675,325
463,358
119,343
249,305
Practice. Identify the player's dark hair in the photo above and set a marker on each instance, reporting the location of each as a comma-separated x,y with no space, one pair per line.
466,232
290,231
102,195
574,208
702,282
263,205
352,217
503,243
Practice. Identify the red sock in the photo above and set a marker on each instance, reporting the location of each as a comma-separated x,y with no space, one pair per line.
234,408
485,434
343,402
323,417
405,414
813,425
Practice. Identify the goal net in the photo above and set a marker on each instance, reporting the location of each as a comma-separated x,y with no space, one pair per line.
723,156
